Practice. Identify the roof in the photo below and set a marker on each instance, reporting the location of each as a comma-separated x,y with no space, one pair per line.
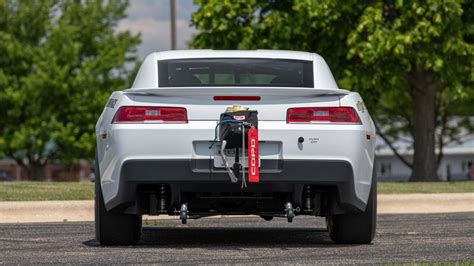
278,54
147,76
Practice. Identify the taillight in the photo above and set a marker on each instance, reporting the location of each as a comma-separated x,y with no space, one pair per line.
150,114
345,115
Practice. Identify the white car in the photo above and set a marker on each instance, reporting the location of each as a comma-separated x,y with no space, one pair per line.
263,132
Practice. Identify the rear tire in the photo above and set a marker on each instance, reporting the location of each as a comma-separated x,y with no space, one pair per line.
114,228
355,228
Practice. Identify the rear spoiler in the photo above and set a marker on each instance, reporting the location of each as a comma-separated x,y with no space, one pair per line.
258,91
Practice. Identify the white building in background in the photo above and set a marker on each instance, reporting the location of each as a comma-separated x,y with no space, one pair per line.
454,165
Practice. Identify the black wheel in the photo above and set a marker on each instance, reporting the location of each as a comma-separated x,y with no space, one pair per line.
114,228
267,217
355,228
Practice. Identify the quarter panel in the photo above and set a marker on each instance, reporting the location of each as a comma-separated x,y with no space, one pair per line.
364,170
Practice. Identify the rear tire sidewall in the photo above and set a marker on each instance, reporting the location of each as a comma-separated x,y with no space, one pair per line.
98,200
358,228
113,228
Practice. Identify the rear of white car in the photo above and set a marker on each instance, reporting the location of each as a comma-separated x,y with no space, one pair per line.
158,151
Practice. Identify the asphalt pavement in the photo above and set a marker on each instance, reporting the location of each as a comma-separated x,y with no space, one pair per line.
400,238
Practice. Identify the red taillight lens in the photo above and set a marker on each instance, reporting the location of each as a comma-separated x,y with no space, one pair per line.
346,115
144,114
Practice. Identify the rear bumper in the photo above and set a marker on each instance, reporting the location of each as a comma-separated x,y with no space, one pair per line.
195,175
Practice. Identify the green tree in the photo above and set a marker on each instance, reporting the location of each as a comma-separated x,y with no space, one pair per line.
60,61
423,53
411,60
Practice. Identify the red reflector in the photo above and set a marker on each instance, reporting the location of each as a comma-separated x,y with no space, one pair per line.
254,176
237,98
151,114
346,115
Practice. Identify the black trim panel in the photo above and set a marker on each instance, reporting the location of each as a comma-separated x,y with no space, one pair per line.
286,175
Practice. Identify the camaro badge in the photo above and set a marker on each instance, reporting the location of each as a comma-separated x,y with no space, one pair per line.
112,103
360,106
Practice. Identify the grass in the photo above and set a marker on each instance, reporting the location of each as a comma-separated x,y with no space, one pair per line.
37,191
425,187
153,223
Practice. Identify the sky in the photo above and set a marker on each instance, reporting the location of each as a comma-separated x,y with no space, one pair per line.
151,18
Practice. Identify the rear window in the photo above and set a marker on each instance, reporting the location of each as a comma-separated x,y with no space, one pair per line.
235,72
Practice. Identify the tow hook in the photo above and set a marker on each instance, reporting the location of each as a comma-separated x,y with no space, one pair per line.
183,213
290,212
